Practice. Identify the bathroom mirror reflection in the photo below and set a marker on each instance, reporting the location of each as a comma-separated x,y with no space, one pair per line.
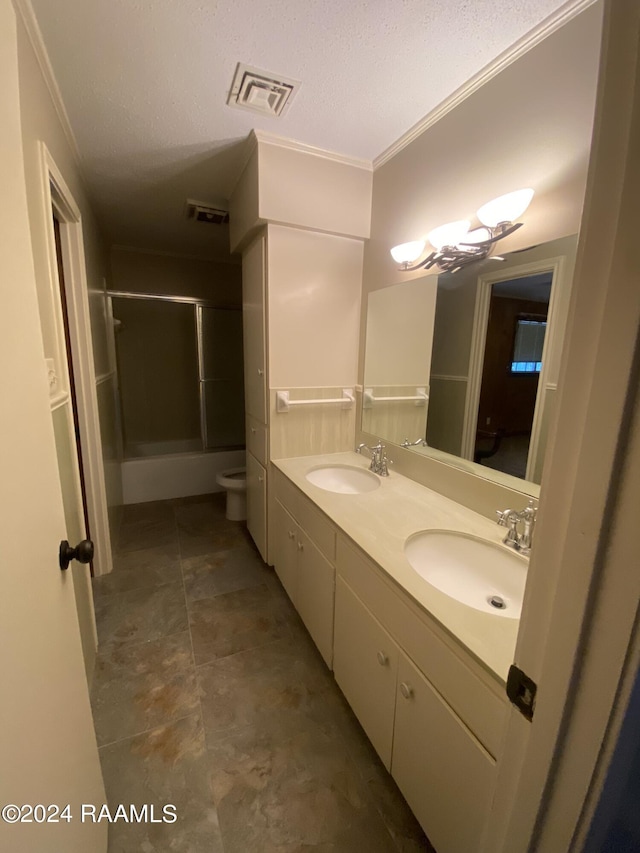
485,344
398,359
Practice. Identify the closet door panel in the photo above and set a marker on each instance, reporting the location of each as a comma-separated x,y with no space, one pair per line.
257,504
253,319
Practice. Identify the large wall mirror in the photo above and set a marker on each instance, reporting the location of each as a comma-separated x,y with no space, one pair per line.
469,362
399,340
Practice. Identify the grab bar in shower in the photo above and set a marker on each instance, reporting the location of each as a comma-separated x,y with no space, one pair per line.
283,403
420,398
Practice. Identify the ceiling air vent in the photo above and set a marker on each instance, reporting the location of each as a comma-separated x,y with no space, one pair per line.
200,211
261,91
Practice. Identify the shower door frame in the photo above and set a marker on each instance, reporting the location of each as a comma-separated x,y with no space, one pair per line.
198,305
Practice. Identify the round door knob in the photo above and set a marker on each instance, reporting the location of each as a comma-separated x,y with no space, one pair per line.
383,660
83,553
406,690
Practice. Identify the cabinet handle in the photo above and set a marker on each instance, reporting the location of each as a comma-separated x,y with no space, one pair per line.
291,534
260,372
260,479
300,546
406,690
253,430
383,660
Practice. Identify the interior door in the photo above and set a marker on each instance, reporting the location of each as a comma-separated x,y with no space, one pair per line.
47,742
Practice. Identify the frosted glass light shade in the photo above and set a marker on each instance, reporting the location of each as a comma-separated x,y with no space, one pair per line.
450,234
407,253
477,235
505,208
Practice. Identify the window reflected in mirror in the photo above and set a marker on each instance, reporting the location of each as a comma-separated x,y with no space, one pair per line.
513,353
490,391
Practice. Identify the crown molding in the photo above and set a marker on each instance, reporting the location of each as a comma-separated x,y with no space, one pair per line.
262,136
249,145
546,28
27,15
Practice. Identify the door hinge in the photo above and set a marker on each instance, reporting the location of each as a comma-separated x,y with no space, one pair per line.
521,690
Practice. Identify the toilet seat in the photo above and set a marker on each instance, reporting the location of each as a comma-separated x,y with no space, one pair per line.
234,481
232,478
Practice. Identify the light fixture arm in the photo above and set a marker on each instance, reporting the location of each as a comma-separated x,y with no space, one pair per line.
458,251
454,258
497,233
426,264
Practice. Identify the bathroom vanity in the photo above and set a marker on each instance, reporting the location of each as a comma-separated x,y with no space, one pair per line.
423,672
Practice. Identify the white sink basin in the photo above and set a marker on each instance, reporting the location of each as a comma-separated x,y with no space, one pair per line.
343,479
471,570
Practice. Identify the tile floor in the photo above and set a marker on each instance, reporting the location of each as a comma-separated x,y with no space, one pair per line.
209,695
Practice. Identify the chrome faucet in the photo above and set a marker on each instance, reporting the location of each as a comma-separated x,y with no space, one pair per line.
528,517
419,441
379,462
510,519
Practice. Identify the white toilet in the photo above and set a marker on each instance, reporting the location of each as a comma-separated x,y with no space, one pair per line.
234,480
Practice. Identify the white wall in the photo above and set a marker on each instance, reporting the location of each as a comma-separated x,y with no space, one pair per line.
313,307
314,190
292,184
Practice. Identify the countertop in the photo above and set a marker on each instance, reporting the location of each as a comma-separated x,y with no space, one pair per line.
380,521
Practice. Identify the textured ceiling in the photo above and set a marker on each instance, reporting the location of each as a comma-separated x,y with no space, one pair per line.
145,84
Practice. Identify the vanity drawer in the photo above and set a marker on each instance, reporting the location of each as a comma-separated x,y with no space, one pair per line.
314,522
284,490
318,527
257,439
479,703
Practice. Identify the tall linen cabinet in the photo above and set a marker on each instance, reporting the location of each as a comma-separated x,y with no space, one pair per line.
256,392
299,217
301,308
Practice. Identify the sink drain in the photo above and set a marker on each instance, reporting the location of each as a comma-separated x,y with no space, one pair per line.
497,601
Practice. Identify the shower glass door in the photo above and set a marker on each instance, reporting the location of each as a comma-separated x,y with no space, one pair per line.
180,371
221,377
157,358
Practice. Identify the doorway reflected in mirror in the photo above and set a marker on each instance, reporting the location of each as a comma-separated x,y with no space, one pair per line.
513,351
428,336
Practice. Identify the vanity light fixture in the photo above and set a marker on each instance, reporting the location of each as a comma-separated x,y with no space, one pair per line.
455,246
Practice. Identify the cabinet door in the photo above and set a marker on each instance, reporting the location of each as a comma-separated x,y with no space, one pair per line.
256,434
365,664
316,591
286,551
445,775
253,290
257,504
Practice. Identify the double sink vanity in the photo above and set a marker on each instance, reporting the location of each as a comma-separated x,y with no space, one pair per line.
413,602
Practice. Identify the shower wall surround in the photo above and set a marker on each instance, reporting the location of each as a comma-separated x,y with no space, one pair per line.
179,346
